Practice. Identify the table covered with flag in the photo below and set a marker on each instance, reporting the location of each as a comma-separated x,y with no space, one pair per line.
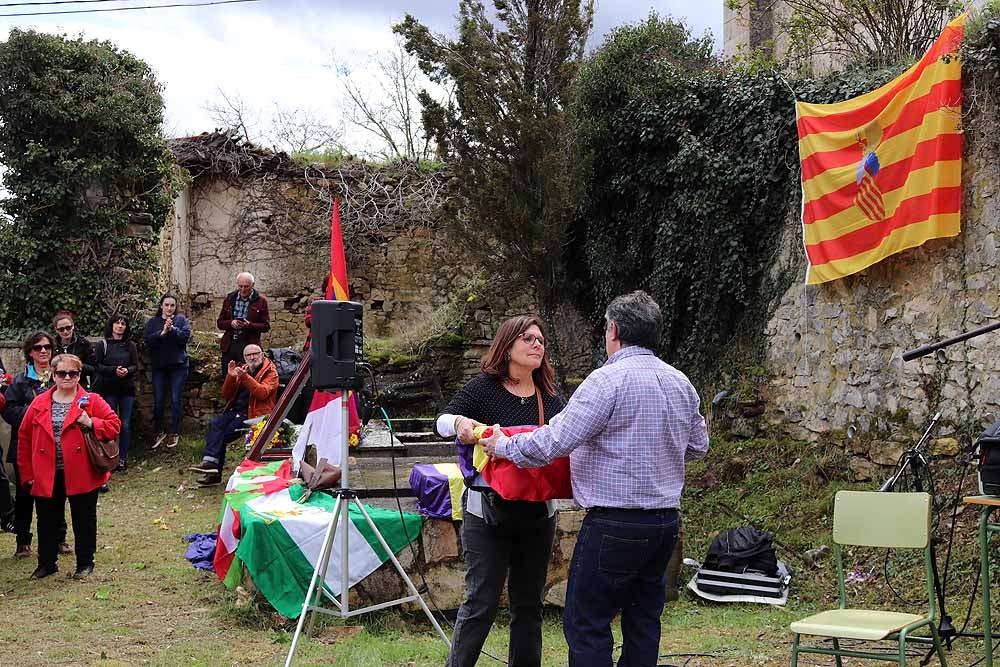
265,527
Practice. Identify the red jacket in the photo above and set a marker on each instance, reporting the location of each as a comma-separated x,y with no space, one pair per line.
36,453
263,388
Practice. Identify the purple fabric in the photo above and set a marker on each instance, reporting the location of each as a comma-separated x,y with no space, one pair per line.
432,491
469,473
628,429
201,551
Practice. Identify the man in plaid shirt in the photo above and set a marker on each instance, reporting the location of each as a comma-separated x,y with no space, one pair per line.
628,430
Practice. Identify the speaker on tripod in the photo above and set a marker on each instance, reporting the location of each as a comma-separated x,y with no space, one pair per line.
336,357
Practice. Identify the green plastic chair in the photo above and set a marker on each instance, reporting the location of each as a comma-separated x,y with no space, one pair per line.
884,520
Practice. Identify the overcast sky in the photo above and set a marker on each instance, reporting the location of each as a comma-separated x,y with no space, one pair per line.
281,50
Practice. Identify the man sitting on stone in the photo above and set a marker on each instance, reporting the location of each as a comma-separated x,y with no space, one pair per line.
250,391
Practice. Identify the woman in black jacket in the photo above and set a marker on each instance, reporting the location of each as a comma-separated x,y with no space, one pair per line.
69,341
504,540
117,362
35,380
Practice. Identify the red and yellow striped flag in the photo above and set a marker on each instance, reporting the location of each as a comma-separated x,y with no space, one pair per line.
883,172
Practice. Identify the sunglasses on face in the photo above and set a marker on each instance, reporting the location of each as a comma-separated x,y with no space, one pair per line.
531,339
68,327
66,375
41,347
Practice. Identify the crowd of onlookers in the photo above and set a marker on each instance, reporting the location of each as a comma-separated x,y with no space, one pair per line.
70,385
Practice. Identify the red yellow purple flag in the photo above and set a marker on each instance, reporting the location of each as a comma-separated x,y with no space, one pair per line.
883,172
337,286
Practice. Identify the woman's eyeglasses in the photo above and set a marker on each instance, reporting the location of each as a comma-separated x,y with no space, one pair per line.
531,339
66,375
68,327
39,348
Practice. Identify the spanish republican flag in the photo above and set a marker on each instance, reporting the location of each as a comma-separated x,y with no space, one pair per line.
883,172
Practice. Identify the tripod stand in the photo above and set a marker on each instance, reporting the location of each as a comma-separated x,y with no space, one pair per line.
914,461
341,517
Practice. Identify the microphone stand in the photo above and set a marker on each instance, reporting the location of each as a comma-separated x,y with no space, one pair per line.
915,460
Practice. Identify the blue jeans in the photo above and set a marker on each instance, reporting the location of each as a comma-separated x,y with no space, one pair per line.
168,380
122,405
619,565
222,429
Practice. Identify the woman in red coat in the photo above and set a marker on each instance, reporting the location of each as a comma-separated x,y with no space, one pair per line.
53,463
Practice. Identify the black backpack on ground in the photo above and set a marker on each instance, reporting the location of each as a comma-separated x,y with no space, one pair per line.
744,549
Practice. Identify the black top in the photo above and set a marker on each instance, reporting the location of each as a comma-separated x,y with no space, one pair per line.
19,395
109,354
485,399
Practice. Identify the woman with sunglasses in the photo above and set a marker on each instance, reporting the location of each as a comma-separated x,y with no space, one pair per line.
502,539
54,464
34,381
69,341
117,362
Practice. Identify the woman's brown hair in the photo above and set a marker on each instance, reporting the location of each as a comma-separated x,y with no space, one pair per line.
34,339
496,361
66,358
63,314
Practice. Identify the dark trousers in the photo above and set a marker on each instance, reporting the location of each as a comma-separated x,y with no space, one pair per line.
51,522
122,405
522,550
168,382
24,505
6,500
222,429
619,565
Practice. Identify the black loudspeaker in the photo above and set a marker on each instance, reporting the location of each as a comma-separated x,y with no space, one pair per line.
337,345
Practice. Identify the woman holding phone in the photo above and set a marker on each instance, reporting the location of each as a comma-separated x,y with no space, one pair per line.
117,362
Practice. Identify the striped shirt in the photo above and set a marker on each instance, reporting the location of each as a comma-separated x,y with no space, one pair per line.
628,430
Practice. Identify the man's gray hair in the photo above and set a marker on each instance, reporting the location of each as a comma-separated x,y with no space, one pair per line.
253,281
638,318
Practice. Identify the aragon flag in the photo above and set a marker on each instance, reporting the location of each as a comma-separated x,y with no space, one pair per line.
883,172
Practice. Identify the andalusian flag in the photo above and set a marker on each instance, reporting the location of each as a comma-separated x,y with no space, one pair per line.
278,539
251,480
883,172
323,425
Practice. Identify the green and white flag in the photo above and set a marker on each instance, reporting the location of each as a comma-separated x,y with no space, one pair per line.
281,542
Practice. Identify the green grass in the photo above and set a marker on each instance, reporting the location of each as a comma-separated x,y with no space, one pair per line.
145,605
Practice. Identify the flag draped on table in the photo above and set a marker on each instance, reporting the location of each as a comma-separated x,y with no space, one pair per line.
323,424
438,488
265,528
883,172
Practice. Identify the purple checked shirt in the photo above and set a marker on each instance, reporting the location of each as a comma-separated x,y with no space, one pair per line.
628,429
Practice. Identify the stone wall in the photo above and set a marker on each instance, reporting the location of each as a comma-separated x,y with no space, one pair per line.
835,350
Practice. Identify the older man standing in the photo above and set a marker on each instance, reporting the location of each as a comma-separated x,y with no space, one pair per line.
628,429
250,391
244,317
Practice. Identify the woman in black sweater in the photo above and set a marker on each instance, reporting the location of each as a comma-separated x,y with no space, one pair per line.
117,362
504,539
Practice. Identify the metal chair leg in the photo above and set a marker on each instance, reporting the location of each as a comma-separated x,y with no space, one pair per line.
836,647
937,645
795,650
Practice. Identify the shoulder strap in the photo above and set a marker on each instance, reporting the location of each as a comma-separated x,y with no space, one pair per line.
541,408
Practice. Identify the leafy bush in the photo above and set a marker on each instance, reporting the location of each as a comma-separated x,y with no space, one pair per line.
80,135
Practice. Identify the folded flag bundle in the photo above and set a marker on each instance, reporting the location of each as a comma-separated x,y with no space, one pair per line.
513,483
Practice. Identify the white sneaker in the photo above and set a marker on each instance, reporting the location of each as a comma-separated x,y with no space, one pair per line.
172,440
159,439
